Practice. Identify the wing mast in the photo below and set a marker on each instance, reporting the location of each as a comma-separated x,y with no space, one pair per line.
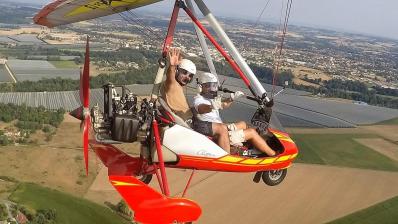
202,41
255,86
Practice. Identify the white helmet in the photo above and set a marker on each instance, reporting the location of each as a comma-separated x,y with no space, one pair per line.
208,85
188,65
207,77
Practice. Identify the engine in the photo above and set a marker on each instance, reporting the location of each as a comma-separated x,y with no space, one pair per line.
121,119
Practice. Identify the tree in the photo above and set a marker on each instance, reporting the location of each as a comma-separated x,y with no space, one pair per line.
123,208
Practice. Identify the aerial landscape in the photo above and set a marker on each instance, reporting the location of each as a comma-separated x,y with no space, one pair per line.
334,118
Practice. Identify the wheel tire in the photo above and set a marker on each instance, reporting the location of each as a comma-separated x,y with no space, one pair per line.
274,177
146,178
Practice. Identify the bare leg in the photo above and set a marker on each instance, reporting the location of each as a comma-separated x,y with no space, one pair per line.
258,142
221,132
241,125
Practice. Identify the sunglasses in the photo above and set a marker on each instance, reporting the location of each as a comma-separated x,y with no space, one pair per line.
185,72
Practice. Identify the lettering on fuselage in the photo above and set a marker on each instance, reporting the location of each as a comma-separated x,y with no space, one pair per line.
205,153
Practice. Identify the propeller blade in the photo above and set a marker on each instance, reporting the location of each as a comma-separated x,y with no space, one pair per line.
85,78
87,124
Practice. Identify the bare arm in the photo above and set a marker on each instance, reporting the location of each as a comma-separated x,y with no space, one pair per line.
205,108
174,60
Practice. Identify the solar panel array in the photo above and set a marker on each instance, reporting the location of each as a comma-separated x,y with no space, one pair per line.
27,39
35,70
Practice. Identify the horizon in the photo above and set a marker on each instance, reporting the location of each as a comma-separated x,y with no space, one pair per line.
363,17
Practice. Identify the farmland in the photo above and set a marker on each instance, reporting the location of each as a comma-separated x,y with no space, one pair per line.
69,209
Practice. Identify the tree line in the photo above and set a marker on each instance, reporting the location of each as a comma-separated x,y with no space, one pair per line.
355,90
23,113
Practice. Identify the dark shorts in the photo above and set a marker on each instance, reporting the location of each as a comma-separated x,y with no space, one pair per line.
203,127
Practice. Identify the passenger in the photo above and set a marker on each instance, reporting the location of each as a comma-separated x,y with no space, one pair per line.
207,104
179,73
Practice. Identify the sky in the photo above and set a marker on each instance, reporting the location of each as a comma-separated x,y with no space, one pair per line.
373,17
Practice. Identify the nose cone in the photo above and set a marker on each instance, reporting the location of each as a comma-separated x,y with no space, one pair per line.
77,113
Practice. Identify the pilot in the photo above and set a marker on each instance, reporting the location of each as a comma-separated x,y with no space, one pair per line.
207,104
179,73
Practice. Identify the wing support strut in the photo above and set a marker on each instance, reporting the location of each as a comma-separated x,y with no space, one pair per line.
202,41
160,157
166,46
233,64
255,84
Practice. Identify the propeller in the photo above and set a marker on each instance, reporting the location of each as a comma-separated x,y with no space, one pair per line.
85,99
83,112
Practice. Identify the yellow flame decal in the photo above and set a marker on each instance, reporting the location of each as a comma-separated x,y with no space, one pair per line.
121,183
251,161
293,156
283,137
268,161
283,158
231,159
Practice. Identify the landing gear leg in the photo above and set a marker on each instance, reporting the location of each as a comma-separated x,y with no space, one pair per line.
257,176
146,178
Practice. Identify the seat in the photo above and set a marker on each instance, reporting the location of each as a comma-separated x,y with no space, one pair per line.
178,120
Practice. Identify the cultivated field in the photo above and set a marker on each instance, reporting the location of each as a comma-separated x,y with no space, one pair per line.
310,193
58,164
382,213
300,72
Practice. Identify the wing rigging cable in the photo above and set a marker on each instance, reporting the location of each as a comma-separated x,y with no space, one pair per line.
262,11
279,47
142,28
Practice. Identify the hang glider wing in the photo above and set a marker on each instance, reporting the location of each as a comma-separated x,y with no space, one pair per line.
63,12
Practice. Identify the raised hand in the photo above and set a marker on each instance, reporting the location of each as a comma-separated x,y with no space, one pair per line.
174,56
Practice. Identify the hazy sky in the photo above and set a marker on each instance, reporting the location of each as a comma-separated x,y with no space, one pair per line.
375,17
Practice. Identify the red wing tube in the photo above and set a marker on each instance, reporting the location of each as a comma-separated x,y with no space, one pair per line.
150,206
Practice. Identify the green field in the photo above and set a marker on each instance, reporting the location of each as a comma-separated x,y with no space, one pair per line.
383,213
340,150
69,208
64,64
393,121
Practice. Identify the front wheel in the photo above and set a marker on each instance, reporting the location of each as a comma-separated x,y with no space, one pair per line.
274,177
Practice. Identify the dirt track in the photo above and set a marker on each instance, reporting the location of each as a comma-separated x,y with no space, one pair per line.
310,194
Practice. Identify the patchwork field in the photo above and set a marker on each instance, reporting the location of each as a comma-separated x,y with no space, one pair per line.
324,189
382,146
382,213
58,164
64,64
341,150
